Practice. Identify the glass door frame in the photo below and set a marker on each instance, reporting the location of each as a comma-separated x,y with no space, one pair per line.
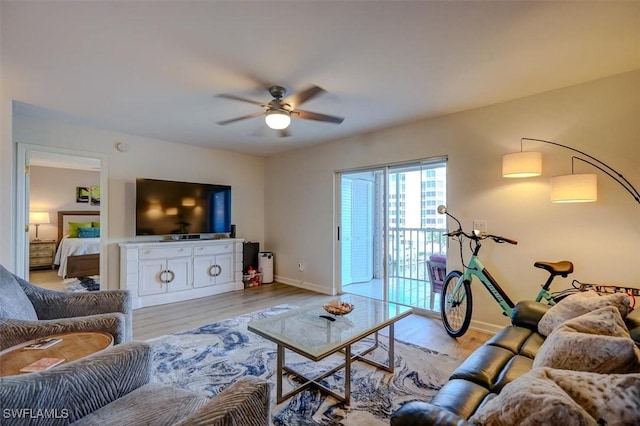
338,285
385,168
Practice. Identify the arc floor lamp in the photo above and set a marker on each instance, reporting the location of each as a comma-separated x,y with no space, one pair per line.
573,188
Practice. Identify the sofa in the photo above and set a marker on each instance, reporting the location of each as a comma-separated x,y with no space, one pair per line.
537,388
29,312
115,387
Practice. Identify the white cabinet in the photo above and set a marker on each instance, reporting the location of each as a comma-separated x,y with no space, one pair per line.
161,276
212,265
164,269
166,272
212,270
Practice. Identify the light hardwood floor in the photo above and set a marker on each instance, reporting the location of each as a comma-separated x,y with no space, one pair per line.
47,278
156,321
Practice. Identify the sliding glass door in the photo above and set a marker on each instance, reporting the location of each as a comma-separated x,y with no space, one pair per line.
361,255
388,229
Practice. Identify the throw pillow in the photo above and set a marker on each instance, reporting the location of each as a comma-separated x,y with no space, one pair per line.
95,224
73,228
578,304
564,397
597,341
88,232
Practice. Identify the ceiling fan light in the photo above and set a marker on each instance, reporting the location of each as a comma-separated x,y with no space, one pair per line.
277,119
578,188
522,164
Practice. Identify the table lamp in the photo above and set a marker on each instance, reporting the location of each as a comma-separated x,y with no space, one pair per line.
37,219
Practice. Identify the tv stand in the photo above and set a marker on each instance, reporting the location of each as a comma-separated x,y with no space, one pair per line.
173,271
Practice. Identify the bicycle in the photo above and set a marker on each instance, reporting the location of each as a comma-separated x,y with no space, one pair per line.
456,302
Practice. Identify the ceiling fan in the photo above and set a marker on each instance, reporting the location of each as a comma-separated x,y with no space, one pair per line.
278,111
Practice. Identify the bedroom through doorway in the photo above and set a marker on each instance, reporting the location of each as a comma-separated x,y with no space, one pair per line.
63,196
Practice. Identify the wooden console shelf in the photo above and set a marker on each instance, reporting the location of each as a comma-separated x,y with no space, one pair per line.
165,272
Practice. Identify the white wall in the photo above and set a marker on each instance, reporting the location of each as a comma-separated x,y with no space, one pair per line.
600,117
150,158
54,189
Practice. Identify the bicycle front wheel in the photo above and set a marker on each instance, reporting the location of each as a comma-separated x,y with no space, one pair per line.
456,306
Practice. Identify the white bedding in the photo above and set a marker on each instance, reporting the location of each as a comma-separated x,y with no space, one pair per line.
74,247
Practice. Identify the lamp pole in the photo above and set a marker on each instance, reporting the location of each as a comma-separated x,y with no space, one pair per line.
603,167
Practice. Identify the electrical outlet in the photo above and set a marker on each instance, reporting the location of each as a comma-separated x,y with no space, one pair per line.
480,225
300,266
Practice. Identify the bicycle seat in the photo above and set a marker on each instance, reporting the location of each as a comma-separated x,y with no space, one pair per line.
563,267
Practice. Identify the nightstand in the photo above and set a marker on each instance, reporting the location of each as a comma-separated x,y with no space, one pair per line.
41,254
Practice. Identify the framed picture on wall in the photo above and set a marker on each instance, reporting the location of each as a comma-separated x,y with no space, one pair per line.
95,195
82,194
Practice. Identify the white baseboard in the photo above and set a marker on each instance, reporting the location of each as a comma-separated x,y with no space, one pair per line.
304,284
485,327
481,326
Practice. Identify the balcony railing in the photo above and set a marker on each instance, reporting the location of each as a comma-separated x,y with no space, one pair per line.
408,283
409,250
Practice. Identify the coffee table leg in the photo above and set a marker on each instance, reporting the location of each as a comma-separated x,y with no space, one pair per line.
391,349
347,376
279,373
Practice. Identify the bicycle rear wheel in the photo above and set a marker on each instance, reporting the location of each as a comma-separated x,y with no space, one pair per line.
456,308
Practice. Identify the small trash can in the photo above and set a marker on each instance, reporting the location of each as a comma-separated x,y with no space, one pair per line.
265,266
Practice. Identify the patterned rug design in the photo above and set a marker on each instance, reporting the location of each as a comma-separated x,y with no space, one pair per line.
208,358
91,283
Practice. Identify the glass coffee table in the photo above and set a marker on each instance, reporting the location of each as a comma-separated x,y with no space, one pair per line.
313,333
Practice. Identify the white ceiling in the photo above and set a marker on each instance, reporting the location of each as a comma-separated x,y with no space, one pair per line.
153,68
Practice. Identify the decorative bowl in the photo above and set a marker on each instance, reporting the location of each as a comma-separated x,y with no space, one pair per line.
336,307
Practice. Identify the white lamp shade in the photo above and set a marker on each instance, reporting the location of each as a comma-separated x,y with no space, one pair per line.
522,164
39,217
277,119
577,188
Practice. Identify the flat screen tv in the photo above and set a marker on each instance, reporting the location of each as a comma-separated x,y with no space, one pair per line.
181,208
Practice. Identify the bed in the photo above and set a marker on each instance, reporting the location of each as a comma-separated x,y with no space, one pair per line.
75,256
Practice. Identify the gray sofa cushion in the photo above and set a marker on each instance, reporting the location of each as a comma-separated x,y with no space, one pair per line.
14,303
152,404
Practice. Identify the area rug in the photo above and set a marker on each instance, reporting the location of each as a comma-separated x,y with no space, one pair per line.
209,358
91,283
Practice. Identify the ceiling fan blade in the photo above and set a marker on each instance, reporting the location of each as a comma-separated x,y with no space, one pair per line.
238,98
299,98
308,115
244,117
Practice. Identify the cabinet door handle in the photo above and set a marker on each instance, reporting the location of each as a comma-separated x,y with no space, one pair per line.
161,276
217,272
172,274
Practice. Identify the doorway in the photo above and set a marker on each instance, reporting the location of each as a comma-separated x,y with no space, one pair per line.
389,228
59,169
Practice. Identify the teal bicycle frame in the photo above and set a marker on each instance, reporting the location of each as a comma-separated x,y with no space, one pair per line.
475,268
456,303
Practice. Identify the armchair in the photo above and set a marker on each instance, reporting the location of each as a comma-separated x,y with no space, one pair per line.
115,387
28,312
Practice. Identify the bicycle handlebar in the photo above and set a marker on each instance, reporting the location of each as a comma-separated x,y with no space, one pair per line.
477,237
